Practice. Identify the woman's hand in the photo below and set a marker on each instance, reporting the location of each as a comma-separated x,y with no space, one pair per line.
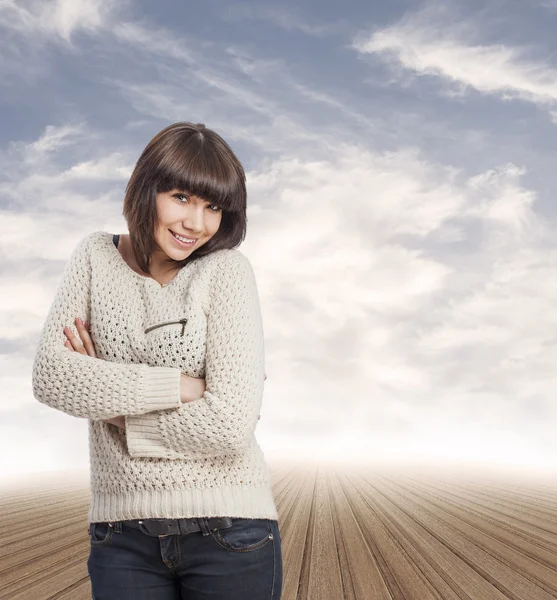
193,388
83,345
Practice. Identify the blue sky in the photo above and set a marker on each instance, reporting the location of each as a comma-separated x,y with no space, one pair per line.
401,178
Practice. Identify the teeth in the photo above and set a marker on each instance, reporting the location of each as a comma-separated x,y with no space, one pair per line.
182,239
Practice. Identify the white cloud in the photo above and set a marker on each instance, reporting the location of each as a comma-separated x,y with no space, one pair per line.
55,18
154,40
53,139
377,307
240,98
435,43
31,29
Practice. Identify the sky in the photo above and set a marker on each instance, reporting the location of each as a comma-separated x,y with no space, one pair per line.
400,162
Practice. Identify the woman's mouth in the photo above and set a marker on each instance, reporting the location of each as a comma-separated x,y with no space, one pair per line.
182,241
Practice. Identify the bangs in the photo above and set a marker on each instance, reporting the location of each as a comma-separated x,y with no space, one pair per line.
201,173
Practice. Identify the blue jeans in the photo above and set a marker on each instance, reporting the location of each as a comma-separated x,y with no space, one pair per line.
242,562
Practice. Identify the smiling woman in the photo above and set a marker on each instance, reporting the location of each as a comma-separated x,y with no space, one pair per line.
168,367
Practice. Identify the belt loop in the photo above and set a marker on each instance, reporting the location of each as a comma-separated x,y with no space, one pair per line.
117,526
204,526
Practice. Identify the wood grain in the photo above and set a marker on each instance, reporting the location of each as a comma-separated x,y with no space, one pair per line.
348,532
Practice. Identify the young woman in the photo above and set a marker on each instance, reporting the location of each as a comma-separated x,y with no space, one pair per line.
156,337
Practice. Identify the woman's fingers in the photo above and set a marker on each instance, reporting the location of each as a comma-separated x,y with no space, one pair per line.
74,342
87,341
83,345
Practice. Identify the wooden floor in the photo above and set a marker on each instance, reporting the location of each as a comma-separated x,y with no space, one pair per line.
355,533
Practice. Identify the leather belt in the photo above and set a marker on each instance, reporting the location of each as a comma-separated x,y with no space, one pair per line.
180,526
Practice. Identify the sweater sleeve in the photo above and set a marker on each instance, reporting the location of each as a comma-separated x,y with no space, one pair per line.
223,421
82,385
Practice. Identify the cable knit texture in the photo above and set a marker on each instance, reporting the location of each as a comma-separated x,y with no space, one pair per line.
174,459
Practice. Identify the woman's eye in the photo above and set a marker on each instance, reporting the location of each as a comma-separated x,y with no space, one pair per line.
214,207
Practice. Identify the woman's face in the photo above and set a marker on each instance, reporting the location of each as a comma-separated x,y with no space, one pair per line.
187,216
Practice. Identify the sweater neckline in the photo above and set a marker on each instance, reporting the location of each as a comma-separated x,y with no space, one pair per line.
147,278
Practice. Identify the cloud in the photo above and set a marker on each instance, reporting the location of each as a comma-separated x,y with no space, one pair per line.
31,29
55,18
240,97
155,40
432,42
34,170
53,139
413,328
288,19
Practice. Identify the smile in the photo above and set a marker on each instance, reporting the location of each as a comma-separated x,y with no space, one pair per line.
182,241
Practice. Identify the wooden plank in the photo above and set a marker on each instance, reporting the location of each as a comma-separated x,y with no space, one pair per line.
347,532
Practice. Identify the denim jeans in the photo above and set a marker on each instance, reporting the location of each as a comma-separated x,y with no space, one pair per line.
242,562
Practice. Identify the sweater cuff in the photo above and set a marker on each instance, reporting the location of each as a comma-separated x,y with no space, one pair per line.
161,388
143,436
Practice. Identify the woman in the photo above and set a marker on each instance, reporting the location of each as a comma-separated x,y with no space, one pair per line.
156,338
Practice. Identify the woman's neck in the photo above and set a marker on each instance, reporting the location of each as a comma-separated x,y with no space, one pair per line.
162,274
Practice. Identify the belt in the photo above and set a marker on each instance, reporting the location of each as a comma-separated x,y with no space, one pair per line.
180,526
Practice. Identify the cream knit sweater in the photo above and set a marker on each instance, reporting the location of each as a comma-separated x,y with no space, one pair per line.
197,459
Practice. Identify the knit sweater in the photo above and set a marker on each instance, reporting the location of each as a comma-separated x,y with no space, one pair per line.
173,459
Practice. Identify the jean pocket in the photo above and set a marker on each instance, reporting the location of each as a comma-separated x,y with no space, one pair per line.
100,534
245,535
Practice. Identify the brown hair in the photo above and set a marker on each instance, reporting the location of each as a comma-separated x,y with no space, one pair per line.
190,157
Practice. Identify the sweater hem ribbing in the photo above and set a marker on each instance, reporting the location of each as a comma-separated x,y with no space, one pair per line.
227,501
